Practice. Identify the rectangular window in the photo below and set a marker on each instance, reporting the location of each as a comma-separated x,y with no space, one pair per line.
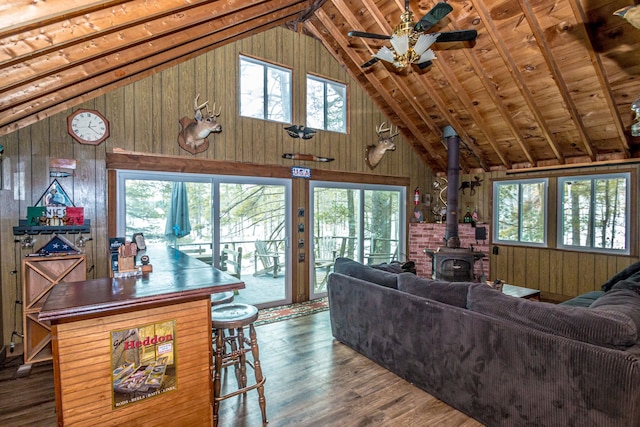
593,212
520,212
265,91
326,104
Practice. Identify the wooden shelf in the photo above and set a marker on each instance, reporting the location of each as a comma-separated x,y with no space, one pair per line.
23,228
39,276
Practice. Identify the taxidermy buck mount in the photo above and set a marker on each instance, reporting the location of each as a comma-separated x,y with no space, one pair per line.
193,136
471,184
385,143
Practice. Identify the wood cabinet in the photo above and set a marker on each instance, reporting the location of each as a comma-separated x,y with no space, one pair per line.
39,276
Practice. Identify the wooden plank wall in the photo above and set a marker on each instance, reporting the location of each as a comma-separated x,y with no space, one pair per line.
144,118
559,274
84,372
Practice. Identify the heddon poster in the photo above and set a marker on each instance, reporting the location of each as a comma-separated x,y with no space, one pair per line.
143,362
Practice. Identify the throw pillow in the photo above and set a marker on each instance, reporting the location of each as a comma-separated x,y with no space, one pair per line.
394,267
452,293
633,269
355,269
600,327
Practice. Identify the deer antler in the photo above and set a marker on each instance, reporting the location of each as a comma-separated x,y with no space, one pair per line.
195,103
213,112
380,129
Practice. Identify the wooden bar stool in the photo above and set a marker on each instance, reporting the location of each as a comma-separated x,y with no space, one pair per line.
234,317
221,298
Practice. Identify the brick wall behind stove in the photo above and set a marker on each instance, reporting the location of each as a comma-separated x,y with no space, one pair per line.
431,236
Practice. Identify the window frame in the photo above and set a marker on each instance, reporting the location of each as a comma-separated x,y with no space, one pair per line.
361,188
265,104
627,175
496,208
324,82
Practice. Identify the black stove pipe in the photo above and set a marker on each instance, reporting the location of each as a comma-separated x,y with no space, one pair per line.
453,176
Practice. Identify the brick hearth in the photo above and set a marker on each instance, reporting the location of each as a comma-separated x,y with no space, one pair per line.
431,236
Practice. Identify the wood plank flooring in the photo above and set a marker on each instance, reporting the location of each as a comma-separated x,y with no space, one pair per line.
312,380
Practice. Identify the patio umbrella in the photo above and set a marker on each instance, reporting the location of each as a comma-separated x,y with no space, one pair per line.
178,224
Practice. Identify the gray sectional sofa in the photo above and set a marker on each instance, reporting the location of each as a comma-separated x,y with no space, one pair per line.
502,360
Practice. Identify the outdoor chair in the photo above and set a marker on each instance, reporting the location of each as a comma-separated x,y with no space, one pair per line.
325,256
233,258
377,256
269,260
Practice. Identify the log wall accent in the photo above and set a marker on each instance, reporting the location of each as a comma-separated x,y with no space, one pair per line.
83,374
144,118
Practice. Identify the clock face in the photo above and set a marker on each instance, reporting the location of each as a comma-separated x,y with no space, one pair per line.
88,127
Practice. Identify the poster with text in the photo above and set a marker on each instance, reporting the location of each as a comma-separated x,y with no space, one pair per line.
143,361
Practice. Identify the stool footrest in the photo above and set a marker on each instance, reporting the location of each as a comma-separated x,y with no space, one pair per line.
241,391
231,347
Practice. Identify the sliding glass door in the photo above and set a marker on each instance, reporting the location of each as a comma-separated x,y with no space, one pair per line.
253,217
362,222
209,218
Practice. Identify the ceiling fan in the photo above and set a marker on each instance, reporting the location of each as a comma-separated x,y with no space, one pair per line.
409,40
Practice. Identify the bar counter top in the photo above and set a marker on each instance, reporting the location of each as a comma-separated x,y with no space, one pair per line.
175,277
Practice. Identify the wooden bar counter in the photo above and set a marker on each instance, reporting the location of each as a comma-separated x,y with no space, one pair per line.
136,350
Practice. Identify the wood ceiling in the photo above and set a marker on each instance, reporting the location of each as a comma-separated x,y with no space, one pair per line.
546,83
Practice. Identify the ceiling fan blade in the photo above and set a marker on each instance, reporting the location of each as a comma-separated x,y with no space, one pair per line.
368,35
457,36
439,11
370,62
424,65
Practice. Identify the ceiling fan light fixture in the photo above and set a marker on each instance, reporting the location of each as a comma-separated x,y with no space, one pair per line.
428,55
385,54
424,42
400,43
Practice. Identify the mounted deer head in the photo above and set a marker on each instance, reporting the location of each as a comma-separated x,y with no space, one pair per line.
194,132
385,143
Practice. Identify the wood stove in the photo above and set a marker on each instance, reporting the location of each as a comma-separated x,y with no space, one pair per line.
454,265
451,262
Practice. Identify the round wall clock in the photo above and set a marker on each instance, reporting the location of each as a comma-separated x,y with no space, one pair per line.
88,126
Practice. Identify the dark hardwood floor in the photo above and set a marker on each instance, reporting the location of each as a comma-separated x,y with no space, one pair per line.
312,380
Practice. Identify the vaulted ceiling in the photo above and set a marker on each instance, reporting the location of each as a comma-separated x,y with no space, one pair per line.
546,83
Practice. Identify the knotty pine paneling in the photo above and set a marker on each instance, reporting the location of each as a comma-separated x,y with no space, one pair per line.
144,118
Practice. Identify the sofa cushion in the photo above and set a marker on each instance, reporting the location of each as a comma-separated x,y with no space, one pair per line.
452,293
584,300
355,269
624,297
608,328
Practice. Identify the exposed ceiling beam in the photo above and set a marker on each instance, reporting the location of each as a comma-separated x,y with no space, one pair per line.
517,78
25,15
98,84
601,73
468,103
557,75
